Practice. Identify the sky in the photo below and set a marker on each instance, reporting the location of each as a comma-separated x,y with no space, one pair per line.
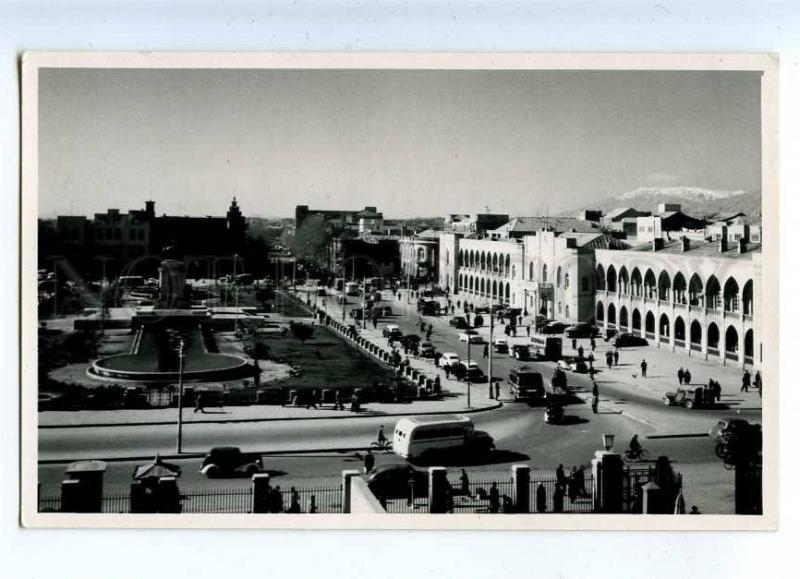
412,143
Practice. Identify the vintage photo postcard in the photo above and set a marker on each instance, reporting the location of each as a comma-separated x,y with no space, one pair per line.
481,291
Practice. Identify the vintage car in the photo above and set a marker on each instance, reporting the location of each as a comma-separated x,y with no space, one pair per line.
573,364
230,461
690,397
470,336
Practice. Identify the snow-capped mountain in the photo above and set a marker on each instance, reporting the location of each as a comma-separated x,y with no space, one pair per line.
694,201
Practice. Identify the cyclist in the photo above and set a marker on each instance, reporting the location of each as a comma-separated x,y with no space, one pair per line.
381,437
635,449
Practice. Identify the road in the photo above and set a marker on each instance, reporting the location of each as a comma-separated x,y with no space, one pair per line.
520,433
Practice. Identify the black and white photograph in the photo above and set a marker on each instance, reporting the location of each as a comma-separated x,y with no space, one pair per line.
400,291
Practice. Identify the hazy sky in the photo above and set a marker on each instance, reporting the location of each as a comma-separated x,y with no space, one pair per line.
410,142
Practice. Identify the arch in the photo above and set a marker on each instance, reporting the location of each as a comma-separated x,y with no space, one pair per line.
748,346
495,264
508,261
696,334
731,343
611,279
713,301
650,284
623,317
636,321
696,293
612,315
508,291
566,280
558,277
712,335
731,295
664,286
650,323
636,282
544,273
747,298
663,326
494,290
513,272
600,277
501,265
623,282
483,287
680,329
530,272
600,314
679,289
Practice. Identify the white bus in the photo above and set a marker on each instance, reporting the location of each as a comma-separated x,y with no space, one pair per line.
422,437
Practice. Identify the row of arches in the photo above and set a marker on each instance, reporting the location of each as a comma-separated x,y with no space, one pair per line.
481,287
485,261
675,289
634,323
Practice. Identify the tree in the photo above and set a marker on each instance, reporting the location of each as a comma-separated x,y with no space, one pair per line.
302,332
309,242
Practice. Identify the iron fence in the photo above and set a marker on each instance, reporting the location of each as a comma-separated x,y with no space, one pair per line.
573,496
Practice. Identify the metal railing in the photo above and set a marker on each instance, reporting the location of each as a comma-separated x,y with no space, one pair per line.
573,496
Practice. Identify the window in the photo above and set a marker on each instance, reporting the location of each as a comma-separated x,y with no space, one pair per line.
566,281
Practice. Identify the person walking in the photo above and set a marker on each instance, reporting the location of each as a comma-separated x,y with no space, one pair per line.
198,404
486,350
447,371
609,358
595,389
572,486
541,498
381,438
616,357
681,374
590,359
580,352
561,478
745,382
718,390
497,390
595,403
687,377
464,479
574,344
758,383
369,462
437,384
643,366
354,403
337,401
529,330
592,343
494,499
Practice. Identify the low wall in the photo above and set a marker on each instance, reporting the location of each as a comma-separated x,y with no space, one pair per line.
361,498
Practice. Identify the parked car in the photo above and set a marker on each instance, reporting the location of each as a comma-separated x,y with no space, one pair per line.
449,359
230,461
626,340
573,364
501,345
690,397
459,322
521,352
554,328
427,350
582,331
392,331
273,330
470,368
391,481
470,336
386,311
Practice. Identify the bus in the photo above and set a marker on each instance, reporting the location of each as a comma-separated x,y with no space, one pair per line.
424,437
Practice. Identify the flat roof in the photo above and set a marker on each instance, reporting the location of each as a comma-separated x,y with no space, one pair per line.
703,249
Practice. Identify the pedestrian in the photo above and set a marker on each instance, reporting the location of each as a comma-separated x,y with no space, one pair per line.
572,487
354,403
616,357
580,352
294,503
369,462
643,366
595,402
436,357
486,350
497,390
580,481
561,479
529,330
494,499
198,404
337,401
745,382
541,498
276,500
447,371
718,390
574,343
514,330
687,377
758,383
592,343
590,359
437,384
558,499
464,479
595,389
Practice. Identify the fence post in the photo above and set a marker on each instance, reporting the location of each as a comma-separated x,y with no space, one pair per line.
607,482
347,481
437,489
261,488
521,477
652,503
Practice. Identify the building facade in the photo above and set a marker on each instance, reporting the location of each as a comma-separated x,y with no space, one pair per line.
419,255
697,297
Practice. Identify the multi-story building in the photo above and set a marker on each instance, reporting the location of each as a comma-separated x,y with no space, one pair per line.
698,297
340,220
419,254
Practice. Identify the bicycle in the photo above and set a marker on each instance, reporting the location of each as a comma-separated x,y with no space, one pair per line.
640,454
381,445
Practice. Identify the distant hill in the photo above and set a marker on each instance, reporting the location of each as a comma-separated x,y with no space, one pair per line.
697,202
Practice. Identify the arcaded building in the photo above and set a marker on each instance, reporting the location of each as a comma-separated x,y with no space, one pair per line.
695,296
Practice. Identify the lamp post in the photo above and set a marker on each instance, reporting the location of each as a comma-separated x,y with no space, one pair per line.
491,344
469,381
180,395
608,442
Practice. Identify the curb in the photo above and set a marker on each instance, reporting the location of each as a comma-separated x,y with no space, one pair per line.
193,455
292,418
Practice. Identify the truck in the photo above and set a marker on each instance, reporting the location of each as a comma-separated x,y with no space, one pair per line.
526,384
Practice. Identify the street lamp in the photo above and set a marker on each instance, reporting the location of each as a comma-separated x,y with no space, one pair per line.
466,366
608,441
180,394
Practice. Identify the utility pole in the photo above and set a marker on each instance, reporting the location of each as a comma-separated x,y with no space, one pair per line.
235,296
180,395
491,343
469,380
